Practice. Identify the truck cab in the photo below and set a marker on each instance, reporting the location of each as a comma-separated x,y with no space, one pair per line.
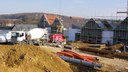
17,36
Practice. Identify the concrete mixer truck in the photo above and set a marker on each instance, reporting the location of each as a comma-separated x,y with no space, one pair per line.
37,36
34,36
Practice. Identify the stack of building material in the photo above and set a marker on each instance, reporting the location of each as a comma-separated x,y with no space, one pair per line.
116,46
74,57
122,55
98,46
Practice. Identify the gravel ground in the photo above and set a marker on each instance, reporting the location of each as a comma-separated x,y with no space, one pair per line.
111,65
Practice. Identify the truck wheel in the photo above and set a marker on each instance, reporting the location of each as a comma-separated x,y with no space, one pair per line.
23,42
40,43
30,42
44,42
13,41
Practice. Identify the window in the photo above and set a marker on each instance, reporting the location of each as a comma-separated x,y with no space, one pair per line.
98,41
15,35
119,41
77,36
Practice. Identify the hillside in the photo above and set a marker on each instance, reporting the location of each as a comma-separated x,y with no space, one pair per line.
25,18
33,18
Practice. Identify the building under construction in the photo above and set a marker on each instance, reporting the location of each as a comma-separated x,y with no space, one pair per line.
97,31
121,33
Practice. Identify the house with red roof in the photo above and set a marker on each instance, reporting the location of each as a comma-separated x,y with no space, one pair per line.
46,21
69,26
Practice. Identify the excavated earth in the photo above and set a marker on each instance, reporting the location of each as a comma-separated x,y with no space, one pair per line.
28,58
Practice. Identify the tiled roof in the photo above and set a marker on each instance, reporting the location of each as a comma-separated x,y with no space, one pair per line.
104,24
72,22
50,18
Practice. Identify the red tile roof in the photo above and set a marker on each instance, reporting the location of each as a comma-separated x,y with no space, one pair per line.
51,18
76,17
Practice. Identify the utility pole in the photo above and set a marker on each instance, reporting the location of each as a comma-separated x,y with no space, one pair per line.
126,10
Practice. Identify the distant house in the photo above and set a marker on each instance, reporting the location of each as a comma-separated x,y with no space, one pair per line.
23,27
97,31
46,21
121,32
69,26
6,28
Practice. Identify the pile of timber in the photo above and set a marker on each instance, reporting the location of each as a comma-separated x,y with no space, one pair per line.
123,55
96,50
116,47
101,49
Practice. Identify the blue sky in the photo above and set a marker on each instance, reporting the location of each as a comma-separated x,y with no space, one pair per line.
84,8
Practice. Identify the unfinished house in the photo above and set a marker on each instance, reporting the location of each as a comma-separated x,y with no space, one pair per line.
97,31
46,21
107,32
121,32
57,26
69,26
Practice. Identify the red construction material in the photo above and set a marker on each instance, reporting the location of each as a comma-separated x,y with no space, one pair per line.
65,54
76,55
90,57
57,37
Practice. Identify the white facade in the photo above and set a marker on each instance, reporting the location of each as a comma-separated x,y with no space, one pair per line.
70,33
65,32
107,36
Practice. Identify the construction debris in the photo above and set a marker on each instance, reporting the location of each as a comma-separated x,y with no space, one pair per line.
121,55
106,51
116,47
74,57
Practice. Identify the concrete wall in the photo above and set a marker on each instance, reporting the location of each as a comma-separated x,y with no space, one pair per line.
107,36
71,34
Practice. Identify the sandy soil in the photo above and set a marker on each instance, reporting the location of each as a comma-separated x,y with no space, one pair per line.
28,58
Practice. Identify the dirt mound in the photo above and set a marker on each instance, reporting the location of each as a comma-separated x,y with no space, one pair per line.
25,58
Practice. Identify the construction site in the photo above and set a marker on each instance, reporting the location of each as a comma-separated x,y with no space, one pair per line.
45,42
37,50
72,57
